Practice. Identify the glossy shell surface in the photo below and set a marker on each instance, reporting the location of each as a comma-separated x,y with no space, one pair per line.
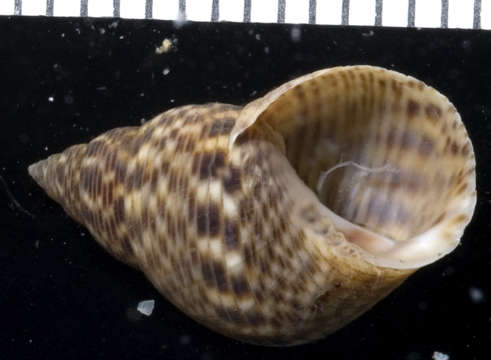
279,222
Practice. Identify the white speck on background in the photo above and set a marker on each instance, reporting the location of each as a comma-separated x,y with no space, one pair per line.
145,307
476,295
295,34
466,44
165,47
440,356
258,36
166,71
102,31
51,99
266,49
45,148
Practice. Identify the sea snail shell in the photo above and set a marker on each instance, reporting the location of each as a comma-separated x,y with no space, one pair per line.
279,222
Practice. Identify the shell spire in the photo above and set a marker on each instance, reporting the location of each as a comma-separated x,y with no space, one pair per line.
56,176
38,172
282,221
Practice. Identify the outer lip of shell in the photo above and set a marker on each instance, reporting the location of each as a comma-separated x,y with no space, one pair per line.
416,252
421,249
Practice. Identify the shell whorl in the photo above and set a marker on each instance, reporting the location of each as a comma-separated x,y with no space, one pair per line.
217,204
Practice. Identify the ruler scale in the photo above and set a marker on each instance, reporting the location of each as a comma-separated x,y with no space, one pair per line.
467,14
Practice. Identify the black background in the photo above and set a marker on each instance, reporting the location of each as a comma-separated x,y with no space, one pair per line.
62,296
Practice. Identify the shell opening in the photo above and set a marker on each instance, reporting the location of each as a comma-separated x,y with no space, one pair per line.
387,157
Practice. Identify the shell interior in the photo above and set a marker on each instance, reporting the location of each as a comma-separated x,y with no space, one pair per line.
388,158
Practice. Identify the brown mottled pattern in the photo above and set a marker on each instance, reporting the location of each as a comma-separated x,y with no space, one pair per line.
230,234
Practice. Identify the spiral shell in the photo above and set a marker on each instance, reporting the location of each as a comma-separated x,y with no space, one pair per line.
279,222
